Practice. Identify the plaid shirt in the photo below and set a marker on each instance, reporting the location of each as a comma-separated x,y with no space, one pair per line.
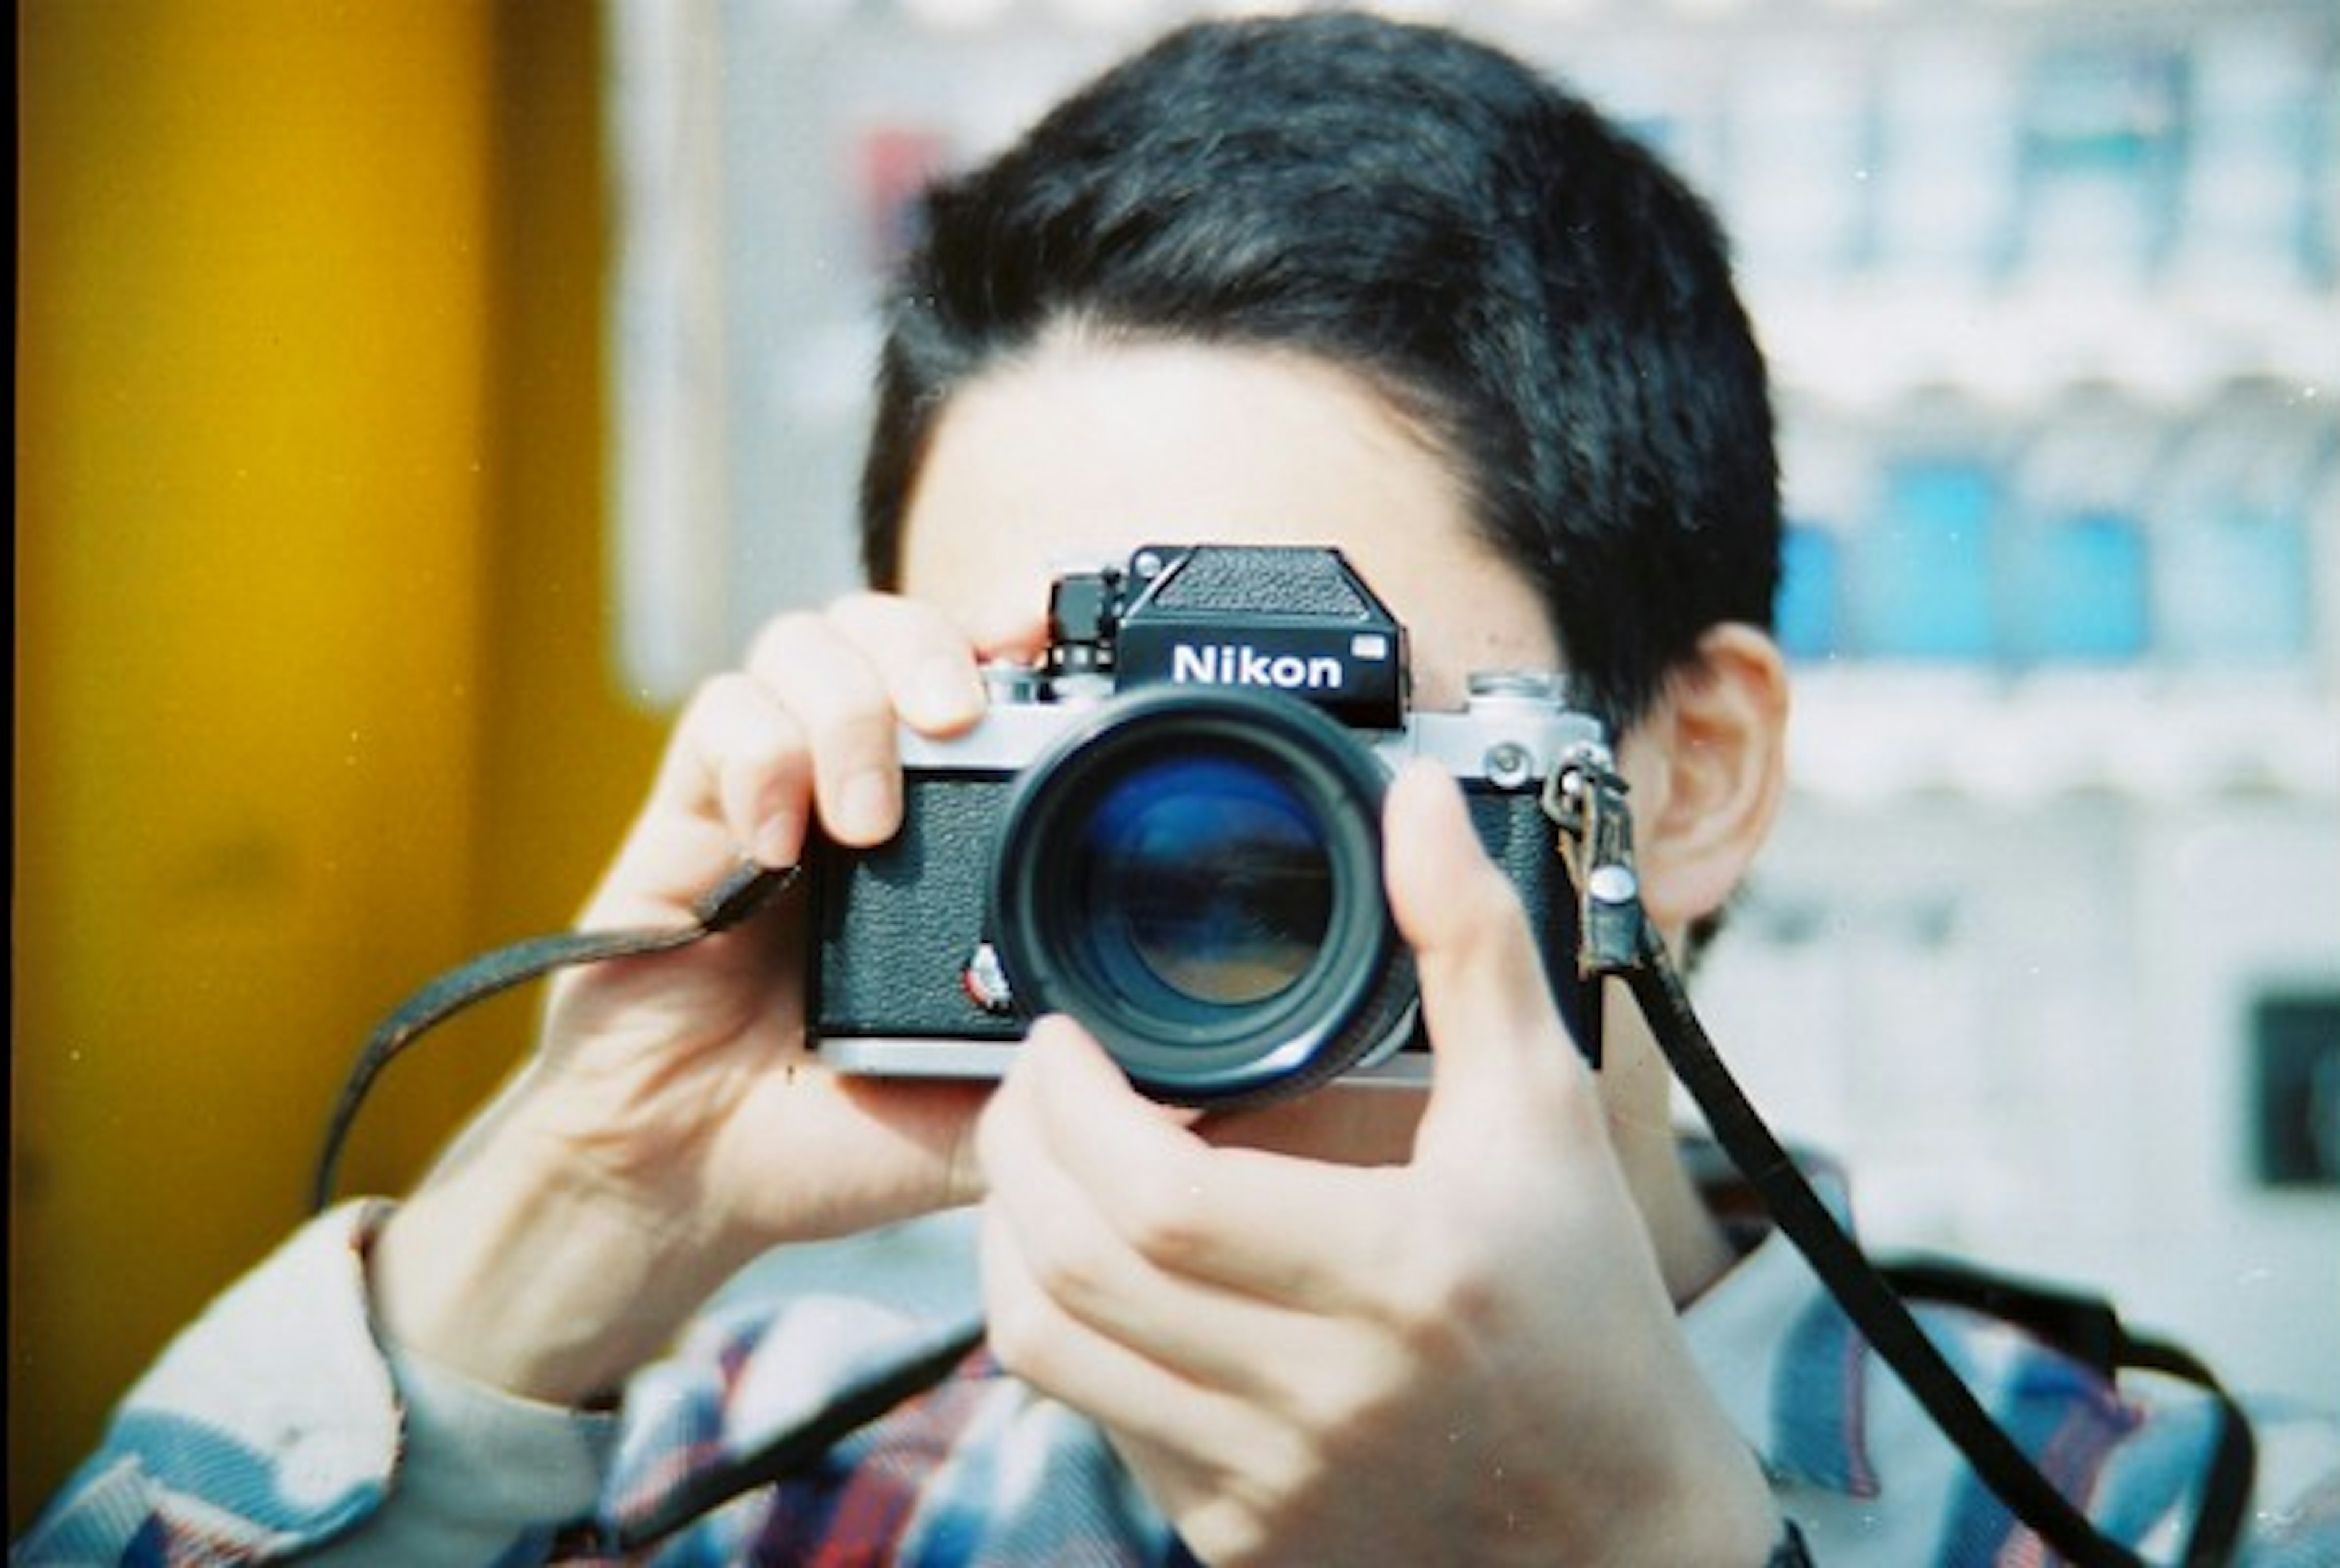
274,1426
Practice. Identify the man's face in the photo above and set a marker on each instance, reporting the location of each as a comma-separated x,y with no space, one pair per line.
1083,451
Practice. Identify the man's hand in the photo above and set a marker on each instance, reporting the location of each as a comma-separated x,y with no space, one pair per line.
673,1123
1468,1357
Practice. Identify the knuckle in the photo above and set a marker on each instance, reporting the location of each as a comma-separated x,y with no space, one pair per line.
1070,1275
855,735
1489,909
1159,1218
783,639
755,734
716,698
1014,1331
1347,1390
1440,1303
1025,1329
1478,915
731,736
1255,1505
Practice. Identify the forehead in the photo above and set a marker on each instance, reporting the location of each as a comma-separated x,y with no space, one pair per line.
1082,452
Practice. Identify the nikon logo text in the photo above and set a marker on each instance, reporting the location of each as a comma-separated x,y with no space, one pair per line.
1226,664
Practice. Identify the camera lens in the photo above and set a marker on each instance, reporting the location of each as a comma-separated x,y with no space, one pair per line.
1196,875
1210,874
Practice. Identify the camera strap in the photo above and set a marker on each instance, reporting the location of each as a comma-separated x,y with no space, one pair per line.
748,888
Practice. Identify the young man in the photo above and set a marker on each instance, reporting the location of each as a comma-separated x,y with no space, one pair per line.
1319,281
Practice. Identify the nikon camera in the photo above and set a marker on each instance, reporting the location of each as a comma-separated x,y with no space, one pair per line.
1170,829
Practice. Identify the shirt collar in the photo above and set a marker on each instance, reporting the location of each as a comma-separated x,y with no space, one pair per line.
1789,1369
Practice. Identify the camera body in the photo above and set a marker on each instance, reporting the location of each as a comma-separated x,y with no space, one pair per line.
1170,829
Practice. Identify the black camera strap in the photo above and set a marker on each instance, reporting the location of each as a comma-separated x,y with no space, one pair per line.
738,895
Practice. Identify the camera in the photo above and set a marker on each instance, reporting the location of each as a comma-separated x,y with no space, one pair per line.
1170,829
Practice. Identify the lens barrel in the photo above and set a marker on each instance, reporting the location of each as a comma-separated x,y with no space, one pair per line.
1196,875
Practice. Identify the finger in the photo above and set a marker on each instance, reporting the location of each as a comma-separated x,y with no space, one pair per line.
1129,1393
740,754
734,782
925,663
1501,1048
827,683
1071,1253
1287,1231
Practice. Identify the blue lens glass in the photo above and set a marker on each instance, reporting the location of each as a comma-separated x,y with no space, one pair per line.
1204,876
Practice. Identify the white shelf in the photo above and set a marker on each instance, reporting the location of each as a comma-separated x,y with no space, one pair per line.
1872,735
1862,344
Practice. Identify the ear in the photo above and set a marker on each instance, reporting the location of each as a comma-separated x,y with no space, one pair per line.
1708,766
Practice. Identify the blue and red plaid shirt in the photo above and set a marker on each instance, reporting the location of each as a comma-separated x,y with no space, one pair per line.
275,1425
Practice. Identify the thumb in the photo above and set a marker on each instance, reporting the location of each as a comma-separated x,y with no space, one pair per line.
1485,1000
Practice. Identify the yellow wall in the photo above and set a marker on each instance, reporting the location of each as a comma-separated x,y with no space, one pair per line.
311,691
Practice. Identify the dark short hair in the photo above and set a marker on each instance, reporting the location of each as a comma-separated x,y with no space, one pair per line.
1528,283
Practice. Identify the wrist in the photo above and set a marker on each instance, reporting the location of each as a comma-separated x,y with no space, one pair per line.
520,1276
1715,1506
1726,1522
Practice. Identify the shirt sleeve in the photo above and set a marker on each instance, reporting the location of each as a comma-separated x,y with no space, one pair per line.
277,1425
485,1477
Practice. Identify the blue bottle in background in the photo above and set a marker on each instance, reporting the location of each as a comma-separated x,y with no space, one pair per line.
1921,587
2072,572
2233,583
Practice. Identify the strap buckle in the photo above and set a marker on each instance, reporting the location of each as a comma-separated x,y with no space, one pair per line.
1585,800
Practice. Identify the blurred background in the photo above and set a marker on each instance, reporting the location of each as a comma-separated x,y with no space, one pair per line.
413,401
